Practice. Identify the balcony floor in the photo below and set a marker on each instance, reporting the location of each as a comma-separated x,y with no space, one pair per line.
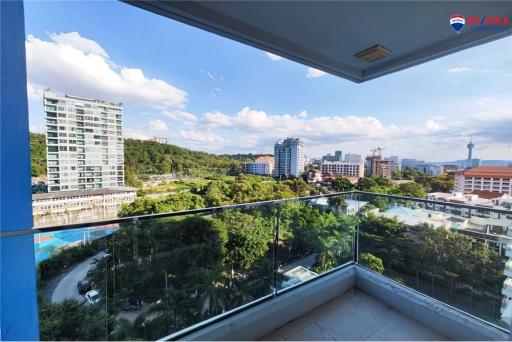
354,316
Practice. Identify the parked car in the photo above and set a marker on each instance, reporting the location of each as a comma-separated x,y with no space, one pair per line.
84,286
92,297
91,271
132,304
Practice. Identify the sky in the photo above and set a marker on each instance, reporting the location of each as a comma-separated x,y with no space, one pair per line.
209,93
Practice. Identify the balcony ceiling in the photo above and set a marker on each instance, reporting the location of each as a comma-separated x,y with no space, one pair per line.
326,34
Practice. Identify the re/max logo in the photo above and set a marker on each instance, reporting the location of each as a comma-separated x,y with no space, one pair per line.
473,20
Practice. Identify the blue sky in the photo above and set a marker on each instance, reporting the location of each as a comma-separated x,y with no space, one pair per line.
209,93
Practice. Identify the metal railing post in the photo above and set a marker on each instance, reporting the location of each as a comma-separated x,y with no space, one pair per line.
275,247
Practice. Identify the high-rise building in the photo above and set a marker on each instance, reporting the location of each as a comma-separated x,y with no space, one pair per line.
411,163
289,157
394,163
338,156
352,158
84,140
377,166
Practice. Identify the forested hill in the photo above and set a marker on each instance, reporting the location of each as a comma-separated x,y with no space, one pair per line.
147,157
37,154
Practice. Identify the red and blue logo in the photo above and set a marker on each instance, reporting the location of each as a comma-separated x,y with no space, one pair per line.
476,22
457,22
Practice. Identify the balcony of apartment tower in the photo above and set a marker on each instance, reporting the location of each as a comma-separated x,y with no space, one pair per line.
341,266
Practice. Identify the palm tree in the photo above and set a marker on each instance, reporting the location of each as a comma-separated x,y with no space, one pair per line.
333,248
212,289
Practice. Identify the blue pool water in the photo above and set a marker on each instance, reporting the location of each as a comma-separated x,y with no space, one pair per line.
47,243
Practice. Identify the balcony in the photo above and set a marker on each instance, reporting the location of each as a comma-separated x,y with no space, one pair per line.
383,267
384,270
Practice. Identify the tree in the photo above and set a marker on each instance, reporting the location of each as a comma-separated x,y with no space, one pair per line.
71,320
334,247
141,206
342,184
410,189
372,262
248,239
365,183
37,154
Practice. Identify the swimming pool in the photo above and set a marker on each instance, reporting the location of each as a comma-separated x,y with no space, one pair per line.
47,244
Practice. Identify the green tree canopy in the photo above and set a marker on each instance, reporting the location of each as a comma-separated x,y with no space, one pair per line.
342,184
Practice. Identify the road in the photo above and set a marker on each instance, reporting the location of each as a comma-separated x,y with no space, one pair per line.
66,287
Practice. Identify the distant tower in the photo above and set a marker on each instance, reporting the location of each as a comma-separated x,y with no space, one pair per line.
470,147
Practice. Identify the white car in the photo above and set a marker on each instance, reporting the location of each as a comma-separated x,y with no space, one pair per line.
92,297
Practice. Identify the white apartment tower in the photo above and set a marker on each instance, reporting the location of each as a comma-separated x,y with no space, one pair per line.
84,140
289,157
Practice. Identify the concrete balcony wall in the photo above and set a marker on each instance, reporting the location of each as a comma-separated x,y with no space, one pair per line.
261,319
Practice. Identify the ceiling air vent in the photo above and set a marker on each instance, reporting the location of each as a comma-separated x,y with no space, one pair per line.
374,53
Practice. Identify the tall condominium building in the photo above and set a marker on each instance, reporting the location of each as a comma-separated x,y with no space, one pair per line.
352,158
338,156
343,169
484,179
261,166
289,157
411,163
394,163
84,140
377,166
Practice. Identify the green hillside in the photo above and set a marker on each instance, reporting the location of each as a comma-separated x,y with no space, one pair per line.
147,157
38,154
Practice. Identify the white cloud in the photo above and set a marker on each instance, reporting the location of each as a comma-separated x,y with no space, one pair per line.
34,93
458,69
157,125
314,73
179,115
72,64
210,75
135,134
319,128
303,114
201,137
78,42
217,119
273,57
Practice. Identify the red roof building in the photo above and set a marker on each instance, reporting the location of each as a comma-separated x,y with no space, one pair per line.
484,179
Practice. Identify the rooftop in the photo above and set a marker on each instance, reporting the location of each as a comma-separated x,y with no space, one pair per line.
488,172
76,193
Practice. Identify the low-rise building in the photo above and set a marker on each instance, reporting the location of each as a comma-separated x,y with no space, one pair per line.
261,166
481,199
496,179
160,140
80,205
314,176
343,169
